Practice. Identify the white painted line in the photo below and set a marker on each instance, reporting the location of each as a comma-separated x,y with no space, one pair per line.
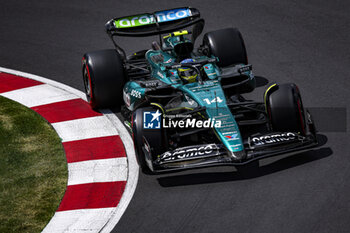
45,80
39,95
84,220
133,172
85,128
102,170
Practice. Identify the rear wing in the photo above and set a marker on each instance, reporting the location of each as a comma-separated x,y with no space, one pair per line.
149,24
156,23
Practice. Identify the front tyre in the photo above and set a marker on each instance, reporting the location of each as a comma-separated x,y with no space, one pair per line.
148,143
104,78
285,108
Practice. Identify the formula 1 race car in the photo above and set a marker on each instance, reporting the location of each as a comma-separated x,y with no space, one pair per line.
184,106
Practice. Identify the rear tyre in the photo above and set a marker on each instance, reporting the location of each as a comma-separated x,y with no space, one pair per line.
285,108
149,143
104,78
228,45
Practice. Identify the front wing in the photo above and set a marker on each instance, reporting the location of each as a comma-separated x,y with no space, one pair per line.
207,155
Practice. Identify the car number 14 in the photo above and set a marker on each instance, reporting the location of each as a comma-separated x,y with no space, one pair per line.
216,99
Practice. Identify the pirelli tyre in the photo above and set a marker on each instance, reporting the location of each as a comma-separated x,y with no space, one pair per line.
285,108
148,142
104,78
228,45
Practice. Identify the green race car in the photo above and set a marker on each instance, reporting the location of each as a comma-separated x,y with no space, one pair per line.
184,106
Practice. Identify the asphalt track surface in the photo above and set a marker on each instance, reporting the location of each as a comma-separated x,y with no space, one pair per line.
306,42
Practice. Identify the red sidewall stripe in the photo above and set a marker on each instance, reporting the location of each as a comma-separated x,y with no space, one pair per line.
91,90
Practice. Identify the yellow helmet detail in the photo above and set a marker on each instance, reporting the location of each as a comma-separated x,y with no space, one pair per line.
187,74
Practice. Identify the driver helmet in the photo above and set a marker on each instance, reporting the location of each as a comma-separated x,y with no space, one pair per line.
187,75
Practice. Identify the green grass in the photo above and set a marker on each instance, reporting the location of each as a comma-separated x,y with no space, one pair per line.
33,169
